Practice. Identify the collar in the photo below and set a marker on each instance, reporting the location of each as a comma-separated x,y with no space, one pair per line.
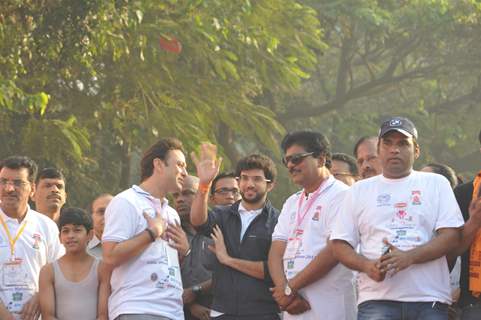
326,183
7,218
94,242
243,210
163,202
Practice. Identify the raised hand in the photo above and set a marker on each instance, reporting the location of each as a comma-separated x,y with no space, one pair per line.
207,163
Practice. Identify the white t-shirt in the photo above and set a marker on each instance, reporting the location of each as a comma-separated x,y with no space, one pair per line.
149,283
332,296
37,245
407,212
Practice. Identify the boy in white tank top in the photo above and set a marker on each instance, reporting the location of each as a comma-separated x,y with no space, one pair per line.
73,286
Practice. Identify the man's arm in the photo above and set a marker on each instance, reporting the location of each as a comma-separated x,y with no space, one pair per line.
469,230
207,169
116,253
4,314
104,272
47,293
254,269
188,296
444,242
343,252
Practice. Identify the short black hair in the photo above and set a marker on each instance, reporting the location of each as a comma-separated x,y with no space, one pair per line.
75,216
445,171
350,161
311,141
157,150
221,175
257,161
361,141
49,173
19,162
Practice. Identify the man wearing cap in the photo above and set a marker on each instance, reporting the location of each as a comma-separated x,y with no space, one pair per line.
405,223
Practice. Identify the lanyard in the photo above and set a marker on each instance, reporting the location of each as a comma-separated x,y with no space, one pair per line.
11,240
300,216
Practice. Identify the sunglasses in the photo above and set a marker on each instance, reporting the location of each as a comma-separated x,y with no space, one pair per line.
296,158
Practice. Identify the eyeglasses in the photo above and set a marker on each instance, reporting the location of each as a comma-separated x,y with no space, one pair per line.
296,158
226,191
15,183
255,179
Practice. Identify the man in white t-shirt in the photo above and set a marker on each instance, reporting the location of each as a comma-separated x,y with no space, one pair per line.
405,222
142,239
28,240
301,261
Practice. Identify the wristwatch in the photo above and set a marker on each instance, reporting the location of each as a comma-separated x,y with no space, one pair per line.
287,290
197,289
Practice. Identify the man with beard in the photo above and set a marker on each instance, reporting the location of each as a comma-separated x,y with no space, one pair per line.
368,163
242,237
301,261
99,205
196,279
28,241
142,240
50,195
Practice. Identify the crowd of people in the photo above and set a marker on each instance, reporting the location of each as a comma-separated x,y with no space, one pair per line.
366,237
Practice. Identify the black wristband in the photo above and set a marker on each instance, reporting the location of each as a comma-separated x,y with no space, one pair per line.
151,234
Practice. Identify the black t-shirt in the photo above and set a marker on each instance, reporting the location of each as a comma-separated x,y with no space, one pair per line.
464,193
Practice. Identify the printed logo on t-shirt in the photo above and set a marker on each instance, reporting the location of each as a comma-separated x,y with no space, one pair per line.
154,277
317,213
416,197
383,199
401,212
36,241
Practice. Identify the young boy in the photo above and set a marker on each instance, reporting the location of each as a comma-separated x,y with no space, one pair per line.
74,287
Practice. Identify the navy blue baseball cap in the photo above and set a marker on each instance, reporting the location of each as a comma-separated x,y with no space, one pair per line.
399,124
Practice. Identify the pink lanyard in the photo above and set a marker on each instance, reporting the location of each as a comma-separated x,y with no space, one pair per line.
300,216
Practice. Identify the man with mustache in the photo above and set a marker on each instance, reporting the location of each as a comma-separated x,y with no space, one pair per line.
50,194
242,237
404,222
301,261
368,163
28,241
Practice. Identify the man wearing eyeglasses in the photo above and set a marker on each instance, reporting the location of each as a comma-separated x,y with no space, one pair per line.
301,261
242,237
28,240
224,190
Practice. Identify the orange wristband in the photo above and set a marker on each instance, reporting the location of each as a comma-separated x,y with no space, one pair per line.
204,188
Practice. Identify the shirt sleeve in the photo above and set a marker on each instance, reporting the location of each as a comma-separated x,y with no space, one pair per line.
346,222
120,220
333,211
449,214
281,230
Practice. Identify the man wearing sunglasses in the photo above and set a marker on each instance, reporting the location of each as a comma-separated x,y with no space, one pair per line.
301,261
242,237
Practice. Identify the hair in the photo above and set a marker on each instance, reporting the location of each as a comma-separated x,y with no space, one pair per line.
75,216
445,171
351,162
19,162
221,175
311,141
361,141
49,173
257,161
159,150
98,197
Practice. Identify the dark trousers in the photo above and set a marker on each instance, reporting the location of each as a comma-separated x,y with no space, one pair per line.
273,316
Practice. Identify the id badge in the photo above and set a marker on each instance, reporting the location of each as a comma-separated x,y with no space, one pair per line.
293,247
14,274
